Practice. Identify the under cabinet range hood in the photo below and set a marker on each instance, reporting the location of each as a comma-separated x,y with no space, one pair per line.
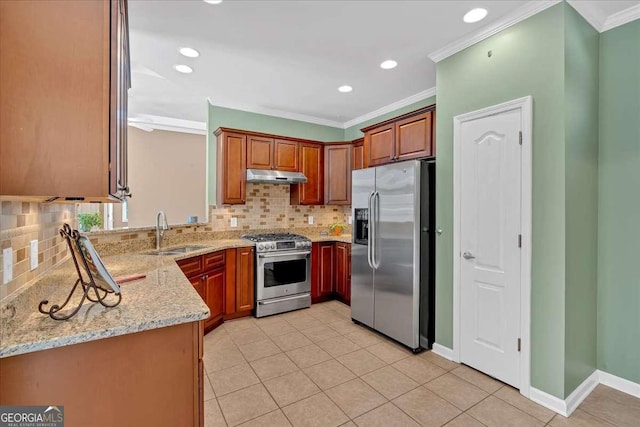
275,177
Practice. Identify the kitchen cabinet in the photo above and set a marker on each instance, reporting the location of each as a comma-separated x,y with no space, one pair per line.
410,136
322,271
231,174
357,154
270,153
245,278
343,272
337,174
214,283
64,123
312,166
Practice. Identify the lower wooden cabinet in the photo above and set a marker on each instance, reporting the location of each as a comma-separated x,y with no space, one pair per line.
343,272
245,278
214,282
331,271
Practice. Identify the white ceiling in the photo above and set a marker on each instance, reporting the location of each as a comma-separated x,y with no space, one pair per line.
291,56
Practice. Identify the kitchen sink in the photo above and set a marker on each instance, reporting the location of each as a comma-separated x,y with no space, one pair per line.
178,251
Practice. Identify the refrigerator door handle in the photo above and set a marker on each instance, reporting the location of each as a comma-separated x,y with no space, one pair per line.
376,215
369,239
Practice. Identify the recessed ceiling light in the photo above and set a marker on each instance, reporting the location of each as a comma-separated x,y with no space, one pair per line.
183,68
213,1
345,88
189,52
474,15
388,64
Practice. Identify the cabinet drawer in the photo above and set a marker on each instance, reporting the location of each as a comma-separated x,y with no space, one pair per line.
191,266
213,260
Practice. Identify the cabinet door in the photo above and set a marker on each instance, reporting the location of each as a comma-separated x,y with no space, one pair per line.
342,256
259,152
311,165
199,286
413,137
337,174
214,282
379,145
357,155
245,298
285,157
232,168
326,280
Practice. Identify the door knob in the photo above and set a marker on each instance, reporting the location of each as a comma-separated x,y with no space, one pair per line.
468,255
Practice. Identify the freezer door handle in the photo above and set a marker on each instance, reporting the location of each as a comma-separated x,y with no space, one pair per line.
376,214
369,240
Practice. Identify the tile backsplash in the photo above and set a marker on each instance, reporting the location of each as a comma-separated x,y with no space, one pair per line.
21,222
267,207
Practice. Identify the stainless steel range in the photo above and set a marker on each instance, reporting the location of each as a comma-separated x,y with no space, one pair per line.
283,272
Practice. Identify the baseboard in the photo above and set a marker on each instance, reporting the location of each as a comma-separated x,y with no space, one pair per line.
548,401
581,392
442,351
619,384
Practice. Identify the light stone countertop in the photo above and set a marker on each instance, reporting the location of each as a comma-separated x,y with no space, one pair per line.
163,298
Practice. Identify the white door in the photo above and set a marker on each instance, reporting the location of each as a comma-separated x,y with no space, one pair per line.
490,217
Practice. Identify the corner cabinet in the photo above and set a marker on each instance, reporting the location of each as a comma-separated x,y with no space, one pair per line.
337,174
410,136
312,166
64,124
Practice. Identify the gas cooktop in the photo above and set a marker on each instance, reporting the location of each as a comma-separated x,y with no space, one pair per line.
273,242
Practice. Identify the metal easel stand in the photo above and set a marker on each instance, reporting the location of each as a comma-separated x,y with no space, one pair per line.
91,291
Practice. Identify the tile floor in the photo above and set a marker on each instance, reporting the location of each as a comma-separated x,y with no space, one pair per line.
314,367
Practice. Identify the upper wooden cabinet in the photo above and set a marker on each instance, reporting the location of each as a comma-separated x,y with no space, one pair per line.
231,174
410,136
270,153
312,166
64,75
357,154
337,174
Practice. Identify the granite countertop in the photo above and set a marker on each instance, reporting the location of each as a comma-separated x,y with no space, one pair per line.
163,298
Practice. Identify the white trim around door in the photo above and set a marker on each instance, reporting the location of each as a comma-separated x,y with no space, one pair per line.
525,106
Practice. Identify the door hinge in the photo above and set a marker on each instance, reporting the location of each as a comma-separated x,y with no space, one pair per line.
519,344
520,137
519,240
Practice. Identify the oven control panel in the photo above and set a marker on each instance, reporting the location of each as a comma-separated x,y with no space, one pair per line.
283,246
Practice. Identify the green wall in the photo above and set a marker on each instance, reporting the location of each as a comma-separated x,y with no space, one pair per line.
581,181
353,132
619,203
527,59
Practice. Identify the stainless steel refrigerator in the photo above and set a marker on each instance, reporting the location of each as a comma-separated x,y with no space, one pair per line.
392,253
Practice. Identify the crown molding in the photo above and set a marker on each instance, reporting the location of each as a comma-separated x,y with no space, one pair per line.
148,122
278,113
590,14
621,18
520,14
391,107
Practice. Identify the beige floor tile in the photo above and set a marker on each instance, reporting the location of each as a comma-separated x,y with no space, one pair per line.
320,333
388,353
387,415
232,379
496,412
457,391
291,388
349,424
361,362
464,420
304,322
208,390
363,337
272,419
246,404
337,346
390,382
329,374
223,357
308,356
613,406
258,349
344,326
426,407
419,369
276,329
273,366
440,361
315,411
478,379
513,396
248,335
291,340
329,316
239,324
579,418
212,414
355,397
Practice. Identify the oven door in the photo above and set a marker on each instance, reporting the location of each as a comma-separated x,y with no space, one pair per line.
283,273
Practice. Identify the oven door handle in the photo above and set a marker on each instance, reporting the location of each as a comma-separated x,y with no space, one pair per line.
273,255
276,300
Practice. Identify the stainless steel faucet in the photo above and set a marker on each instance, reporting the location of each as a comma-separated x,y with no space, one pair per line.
160,231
